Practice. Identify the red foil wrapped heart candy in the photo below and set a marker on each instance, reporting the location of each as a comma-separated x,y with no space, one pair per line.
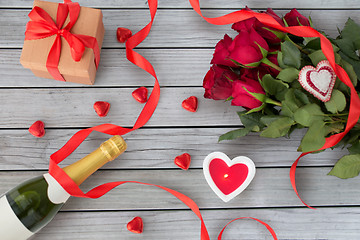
140,94
123,34
136,225
102,108
37,129
183,161
190,104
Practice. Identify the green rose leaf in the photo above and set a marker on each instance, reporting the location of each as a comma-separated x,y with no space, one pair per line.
280,60
347,167
288,75
316,57
333,128
312,43
288,108
314,137
267,119
351,138
294,99
355,148
337,102
351,31
291,54
234,134
290,104
350,71
251,120
347,47
274,87
354,63
308,114
301,97
278,128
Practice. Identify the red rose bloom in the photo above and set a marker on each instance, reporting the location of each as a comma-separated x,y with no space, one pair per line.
270,12
245,48
245,25
222,52
242,97
217,84
253,73
266,32
294,18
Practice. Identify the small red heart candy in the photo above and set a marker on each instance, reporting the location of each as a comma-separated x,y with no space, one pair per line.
102,108
183,161
140,94
123,34
37,129
136,225
190,104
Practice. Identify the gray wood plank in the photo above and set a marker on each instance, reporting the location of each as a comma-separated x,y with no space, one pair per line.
270,188
74,108
171,65
157,148
204,3
326,223
173,28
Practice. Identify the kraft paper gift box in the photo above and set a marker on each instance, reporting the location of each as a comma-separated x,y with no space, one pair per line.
35,52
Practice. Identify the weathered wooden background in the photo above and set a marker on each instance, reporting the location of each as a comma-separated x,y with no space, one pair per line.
180,47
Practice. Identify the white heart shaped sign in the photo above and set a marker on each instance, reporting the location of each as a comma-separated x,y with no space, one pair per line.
228,178
318,81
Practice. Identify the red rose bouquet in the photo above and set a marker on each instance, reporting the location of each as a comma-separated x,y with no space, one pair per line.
285,82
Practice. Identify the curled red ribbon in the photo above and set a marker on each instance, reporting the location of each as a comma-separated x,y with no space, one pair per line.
69,185
327,49
42,26
272,232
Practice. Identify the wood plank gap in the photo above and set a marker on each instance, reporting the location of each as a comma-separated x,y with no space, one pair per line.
210,209
144,127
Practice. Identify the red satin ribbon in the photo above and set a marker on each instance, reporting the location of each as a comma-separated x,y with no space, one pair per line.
263,223
302,31
68,184
42,26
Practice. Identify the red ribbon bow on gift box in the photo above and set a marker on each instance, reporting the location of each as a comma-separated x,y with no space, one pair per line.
43,26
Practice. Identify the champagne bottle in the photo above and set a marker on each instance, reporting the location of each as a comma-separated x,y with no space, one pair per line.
28,207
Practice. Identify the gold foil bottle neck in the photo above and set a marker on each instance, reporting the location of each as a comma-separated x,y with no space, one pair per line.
108,151
113,147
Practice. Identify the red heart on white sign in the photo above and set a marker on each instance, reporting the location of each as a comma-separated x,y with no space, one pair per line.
318,81
228,178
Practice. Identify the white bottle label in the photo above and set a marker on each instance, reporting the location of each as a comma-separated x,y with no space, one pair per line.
11,228
56,193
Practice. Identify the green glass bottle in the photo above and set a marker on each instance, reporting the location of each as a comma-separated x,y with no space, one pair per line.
31,205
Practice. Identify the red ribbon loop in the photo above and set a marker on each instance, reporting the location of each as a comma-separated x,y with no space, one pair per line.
43,26
272,232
